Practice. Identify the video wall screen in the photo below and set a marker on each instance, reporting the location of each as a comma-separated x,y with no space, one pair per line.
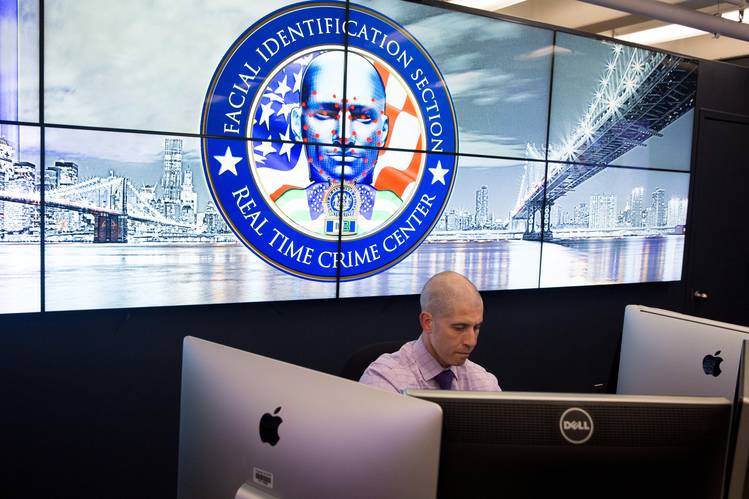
271,151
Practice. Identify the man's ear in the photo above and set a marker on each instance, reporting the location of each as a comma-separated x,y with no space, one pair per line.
425,319
296,123
385,129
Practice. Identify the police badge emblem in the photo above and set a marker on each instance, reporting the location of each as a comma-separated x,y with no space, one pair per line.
322,174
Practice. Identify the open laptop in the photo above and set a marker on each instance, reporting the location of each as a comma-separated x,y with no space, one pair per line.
667,353
254,427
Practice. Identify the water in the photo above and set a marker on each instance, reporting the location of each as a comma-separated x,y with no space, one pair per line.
89,276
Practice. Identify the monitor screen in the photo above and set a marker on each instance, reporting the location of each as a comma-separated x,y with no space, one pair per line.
529,445
256,427
667,353
288,150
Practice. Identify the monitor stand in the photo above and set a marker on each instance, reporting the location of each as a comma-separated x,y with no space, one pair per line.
247,491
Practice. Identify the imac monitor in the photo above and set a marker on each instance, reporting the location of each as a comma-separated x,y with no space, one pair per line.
253,427
738,486
667,353
535,445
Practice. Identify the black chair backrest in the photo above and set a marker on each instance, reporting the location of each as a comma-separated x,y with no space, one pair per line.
360,360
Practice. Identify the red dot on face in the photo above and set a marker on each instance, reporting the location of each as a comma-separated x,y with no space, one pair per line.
304,139
333,132
353,132
335,149
320,159
373,99
309,160
319,171
314,92
379,143
334,96
374,121
354,98
304,103
317,135
366,160
306,127
309,114
379,132
369,139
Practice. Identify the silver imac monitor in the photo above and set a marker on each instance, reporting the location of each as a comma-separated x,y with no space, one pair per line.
667,353
738,485
253,427
584,446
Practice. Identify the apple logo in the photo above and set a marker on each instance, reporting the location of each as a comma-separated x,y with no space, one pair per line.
711,364
269,427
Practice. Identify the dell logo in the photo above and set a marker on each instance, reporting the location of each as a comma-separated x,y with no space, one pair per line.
576,425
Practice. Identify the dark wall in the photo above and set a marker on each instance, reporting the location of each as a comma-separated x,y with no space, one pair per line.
90,400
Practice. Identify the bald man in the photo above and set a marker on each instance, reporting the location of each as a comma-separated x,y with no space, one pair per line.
342,140
452,312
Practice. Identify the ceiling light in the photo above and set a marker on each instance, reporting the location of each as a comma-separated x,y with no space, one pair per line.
672,32
491,5
661,34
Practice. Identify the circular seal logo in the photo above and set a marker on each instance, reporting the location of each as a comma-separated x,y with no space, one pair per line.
576,425
329,141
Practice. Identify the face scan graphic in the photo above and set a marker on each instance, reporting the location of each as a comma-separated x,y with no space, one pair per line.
329,125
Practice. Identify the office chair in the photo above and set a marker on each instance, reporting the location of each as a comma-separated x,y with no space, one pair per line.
358,362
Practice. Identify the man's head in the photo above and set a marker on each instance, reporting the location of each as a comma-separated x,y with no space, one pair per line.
320,120
451,315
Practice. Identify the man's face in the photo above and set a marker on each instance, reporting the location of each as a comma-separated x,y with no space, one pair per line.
453,334
324,117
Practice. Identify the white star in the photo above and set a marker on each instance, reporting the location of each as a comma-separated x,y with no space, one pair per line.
438,173
283,87
285,110
265,148
228,162
267,112
286,147
273,97
298,80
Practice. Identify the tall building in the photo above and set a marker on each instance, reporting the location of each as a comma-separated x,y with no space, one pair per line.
602,211
7,153
67,173
188,199
677,212
482,216
19,216
657,211
636,206
171,179
580,215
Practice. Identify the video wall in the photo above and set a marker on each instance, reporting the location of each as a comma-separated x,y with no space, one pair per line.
170,152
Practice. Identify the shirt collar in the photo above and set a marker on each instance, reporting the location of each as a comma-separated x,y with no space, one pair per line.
428,365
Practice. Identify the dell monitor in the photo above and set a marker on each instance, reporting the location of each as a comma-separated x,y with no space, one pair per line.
539,445
667,353
738,485
253,427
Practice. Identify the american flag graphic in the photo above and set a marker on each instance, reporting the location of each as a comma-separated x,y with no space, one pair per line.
283,166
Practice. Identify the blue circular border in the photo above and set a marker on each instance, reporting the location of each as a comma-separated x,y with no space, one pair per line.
384,248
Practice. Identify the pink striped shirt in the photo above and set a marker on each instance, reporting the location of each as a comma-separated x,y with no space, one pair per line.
414,367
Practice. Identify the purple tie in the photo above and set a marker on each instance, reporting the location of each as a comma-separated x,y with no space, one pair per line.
444,379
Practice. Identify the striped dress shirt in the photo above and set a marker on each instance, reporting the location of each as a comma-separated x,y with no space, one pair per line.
414,367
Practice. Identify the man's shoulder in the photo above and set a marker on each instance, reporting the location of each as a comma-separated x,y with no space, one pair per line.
392,359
